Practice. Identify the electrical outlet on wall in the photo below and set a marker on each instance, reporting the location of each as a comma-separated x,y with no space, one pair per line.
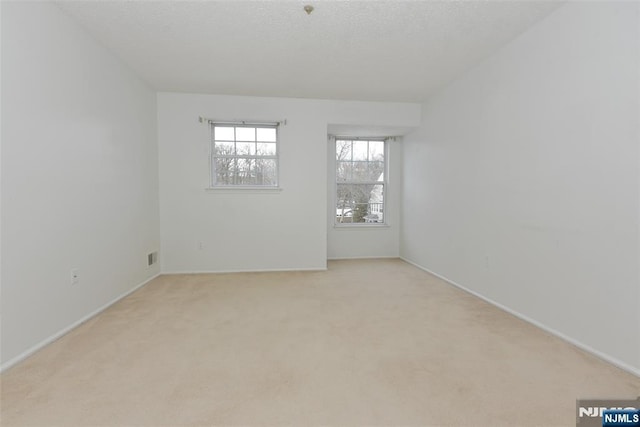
75,276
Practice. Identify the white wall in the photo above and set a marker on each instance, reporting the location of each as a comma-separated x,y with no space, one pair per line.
79,176
238,230
522,184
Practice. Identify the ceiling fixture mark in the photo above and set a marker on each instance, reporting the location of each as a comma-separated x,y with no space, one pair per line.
308,8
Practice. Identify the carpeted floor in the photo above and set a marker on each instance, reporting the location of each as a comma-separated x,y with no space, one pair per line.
369,342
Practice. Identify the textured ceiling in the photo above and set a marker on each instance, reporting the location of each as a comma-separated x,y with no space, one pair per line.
359,50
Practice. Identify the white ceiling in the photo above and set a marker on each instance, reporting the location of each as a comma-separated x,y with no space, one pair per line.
359,50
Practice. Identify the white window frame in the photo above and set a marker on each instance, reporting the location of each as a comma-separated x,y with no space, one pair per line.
384,183
213,185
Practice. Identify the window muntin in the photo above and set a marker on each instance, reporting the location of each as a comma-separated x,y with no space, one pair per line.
244,155
360,181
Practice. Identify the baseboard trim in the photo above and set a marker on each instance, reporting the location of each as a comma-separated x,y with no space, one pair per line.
19,358
607,358
268,270
362,257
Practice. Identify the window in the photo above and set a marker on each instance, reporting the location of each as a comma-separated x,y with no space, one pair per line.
244,155
360,181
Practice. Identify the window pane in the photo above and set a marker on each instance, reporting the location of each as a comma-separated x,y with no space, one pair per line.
266,134
224,171
361,171
344,170
245,148
266,171
362,202
360,211
223,133
244,176
376,193
266,149
376,150
344,213
360,150
224,148
343,150
344,204
376,170
375,211
350,194
245,134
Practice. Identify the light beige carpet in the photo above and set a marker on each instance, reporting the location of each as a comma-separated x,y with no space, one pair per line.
375,342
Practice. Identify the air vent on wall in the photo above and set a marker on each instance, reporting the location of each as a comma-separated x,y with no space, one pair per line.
152,258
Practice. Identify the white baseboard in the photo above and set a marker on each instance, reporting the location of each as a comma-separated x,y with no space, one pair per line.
607,358
363,257
69,328
268,270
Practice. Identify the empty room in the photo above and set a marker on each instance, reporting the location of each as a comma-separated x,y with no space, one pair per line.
407,213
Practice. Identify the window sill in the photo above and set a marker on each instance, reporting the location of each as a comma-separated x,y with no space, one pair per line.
245,190
363,226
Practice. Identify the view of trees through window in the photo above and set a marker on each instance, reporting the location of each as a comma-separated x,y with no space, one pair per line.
360,166
244,155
